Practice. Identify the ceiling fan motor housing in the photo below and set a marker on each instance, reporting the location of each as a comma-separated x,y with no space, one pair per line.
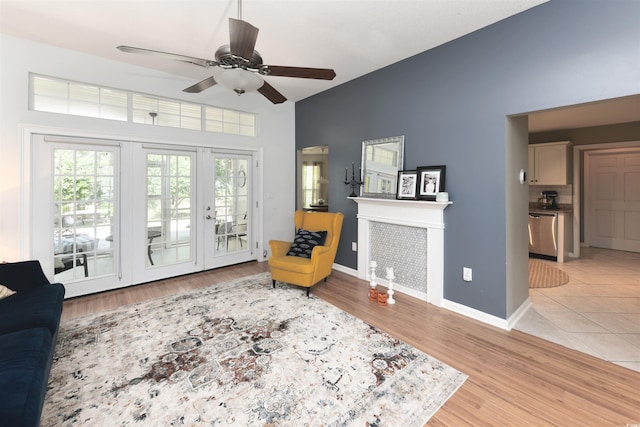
228,60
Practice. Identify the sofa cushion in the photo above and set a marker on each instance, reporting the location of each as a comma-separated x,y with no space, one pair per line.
25,361
5,292
305,241
41,307
22,276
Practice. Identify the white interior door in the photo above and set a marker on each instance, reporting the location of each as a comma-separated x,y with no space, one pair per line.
614,200
229,209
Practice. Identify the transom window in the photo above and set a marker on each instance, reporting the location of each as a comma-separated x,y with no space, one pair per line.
54,95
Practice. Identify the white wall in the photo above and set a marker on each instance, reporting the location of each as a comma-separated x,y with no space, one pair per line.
276,139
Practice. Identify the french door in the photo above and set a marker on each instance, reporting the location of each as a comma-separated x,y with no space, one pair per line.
228,210
75,211
164,216
107,214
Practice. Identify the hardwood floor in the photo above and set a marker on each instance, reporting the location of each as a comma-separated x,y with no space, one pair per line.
515,379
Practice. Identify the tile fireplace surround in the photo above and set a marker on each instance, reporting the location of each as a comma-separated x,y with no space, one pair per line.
408,236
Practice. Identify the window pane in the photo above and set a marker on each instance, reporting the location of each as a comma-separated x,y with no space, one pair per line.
65,97
84,93
50,87
51,105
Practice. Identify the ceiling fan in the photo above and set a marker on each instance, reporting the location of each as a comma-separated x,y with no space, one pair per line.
241,64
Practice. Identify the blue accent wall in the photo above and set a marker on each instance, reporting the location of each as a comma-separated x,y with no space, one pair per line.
451,104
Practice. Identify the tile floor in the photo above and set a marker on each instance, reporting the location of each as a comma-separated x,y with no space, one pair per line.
596,312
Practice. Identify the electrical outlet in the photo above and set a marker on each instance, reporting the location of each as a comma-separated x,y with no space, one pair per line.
354,246
467,274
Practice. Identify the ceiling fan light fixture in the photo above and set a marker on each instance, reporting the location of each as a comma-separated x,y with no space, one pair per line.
239,80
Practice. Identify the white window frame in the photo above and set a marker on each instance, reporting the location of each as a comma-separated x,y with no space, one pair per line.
211,118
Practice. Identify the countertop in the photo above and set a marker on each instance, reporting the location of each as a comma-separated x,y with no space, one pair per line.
562,208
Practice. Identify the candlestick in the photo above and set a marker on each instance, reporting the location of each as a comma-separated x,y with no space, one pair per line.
390,293
390,277
354,182
372,277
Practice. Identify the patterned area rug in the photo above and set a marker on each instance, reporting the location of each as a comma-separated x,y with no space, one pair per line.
240,353
544,275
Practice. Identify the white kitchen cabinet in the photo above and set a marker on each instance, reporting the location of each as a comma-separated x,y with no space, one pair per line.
549,163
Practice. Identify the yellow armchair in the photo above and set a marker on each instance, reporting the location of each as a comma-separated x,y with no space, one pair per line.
303,271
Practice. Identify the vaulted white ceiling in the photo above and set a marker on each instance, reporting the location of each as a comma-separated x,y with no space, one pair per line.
354,37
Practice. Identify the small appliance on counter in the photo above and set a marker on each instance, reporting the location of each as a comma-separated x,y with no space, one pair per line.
547,200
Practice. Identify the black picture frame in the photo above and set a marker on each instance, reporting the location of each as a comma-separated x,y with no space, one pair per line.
407,185
430,181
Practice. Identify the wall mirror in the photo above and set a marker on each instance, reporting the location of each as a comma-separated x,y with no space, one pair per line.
381,161
314,185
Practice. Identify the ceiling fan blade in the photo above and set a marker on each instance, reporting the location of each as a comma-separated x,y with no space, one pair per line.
200,86
301,72
271,93
176,57
243,38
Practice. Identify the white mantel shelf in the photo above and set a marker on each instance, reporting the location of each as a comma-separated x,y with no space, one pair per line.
410,213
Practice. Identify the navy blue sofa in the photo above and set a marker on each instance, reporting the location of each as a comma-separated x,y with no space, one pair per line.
29,321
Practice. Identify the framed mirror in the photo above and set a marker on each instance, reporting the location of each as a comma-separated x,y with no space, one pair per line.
314,184
381,161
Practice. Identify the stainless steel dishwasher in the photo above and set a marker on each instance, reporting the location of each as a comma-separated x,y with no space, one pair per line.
543,235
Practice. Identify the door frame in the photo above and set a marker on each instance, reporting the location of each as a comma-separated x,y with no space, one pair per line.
25,205
580,171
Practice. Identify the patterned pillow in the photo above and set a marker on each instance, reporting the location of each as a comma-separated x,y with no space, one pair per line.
5,292
305,241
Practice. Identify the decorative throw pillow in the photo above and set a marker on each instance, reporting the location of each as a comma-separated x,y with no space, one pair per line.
5,292
305,241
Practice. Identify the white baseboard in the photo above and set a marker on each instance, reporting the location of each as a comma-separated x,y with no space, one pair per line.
515,317
490,319
506,324
346,270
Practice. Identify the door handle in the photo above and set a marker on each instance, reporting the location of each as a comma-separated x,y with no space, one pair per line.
208,217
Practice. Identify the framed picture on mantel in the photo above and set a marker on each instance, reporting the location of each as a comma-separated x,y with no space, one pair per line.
430,181
407,185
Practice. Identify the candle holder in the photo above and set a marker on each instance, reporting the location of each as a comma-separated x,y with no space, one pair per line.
353,182
382,298
373,292
390,277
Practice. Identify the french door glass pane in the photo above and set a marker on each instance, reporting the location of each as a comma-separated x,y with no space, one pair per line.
169,219
83,197
231,204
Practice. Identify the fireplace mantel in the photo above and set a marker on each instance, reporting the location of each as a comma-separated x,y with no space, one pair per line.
408,213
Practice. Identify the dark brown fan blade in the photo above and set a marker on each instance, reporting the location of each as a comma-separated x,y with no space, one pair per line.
176,57
200,86
243,38
271,94
301,72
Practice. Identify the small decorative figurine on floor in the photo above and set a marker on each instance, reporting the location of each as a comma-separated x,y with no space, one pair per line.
390,277
373,292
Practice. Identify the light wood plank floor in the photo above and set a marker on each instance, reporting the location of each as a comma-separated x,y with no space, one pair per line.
515,379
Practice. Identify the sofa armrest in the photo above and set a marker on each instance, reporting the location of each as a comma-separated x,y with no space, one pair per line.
279,247
22,276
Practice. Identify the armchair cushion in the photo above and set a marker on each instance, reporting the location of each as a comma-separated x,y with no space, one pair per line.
305,241
293,264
